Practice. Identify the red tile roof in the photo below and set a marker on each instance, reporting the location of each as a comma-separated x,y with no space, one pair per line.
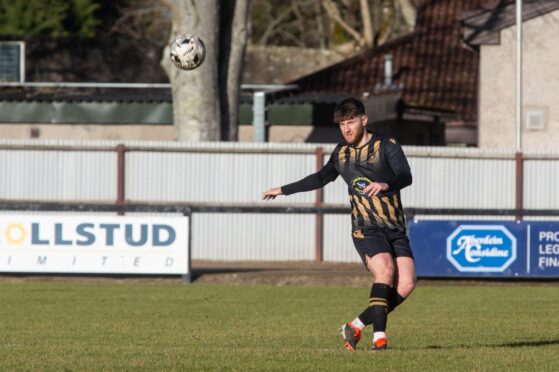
434,66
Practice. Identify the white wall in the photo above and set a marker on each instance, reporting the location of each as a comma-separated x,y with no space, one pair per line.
540,87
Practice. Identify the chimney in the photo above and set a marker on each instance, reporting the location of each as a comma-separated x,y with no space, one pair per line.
388,70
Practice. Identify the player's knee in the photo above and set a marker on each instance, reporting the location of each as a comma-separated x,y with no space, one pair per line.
406,287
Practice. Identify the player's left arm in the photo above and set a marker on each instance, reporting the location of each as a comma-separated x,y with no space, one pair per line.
398,164
399,169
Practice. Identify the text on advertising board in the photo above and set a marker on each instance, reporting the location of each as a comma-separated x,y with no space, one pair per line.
94,244
481,248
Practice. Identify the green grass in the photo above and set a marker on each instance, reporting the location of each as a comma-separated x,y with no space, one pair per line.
100,325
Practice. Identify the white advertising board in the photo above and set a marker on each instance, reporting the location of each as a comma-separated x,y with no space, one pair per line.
94,244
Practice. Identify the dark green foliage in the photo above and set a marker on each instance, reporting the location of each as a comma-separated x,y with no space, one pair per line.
81,19
56,18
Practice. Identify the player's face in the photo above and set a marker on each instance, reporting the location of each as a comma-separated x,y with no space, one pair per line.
353,129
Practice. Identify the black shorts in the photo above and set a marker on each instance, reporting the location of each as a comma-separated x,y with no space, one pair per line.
373,241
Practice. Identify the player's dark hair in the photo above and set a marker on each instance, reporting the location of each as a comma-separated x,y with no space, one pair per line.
347,109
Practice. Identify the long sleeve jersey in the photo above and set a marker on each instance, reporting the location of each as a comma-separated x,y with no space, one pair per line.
379,160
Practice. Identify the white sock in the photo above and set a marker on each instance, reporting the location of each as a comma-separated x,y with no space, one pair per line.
378,335
357,323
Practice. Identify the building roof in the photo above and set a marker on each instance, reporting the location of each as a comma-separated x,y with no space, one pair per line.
435,69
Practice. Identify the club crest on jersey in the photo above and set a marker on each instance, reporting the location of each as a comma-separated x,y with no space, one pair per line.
359,183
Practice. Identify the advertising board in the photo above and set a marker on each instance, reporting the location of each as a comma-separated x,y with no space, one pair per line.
94,244
447,248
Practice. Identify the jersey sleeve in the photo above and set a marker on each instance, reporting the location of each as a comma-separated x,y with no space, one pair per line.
398,164
325,175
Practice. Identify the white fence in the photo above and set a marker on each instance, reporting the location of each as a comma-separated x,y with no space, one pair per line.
237,173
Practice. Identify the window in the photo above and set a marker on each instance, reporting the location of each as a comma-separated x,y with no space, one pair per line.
12,61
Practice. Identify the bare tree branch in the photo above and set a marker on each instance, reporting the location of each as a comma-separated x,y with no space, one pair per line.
298,16
319,25
269,30
389,14
289,35
367,22
334,14
150,22
409,11
327,23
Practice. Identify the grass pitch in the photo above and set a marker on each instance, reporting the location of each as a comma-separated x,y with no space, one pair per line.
103,325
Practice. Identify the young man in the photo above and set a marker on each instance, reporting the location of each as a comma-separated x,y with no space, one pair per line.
375,170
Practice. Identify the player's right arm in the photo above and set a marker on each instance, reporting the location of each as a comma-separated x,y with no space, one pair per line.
314,181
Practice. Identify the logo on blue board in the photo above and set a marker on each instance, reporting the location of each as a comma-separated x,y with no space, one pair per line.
481,248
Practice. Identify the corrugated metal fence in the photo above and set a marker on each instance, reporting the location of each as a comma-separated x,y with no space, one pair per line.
237,173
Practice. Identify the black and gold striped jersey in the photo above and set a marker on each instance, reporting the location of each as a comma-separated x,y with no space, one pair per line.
380,160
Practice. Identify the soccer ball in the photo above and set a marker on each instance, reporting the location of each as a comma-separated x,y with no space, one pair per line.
187,52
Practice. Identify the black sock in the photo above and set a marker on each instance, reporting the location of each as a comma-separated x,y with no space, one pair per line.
394,299
379,305
376,313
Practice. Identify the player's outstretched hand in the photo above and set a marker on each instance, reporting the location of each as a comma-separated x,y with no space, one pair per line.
374,188
272,193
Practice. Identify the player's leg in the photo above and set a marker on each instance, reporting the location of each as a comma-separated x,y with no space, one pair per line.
405,280
373,248
382,268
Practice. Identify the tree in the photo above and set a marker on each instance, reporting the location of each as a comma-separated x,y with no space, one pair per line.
345,26
366,35
233,40
146,21
206,100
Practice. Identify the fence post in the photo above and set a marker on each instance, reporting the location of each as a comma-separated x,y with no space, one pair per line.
319,229
120,185
519,191
186,279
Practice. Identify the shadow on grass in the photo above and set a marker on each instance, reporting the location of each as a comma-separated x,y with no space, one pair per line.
505,345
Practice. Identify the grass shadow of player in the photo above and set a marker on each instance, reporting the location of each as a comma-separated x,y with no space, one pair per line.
523,343
527,343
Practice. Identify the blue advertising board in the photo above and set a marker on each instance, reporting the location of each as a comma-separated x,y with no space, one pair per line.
450,248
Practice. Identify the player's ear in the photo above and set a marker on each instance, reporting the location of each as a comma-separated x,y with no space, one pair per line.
364,120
